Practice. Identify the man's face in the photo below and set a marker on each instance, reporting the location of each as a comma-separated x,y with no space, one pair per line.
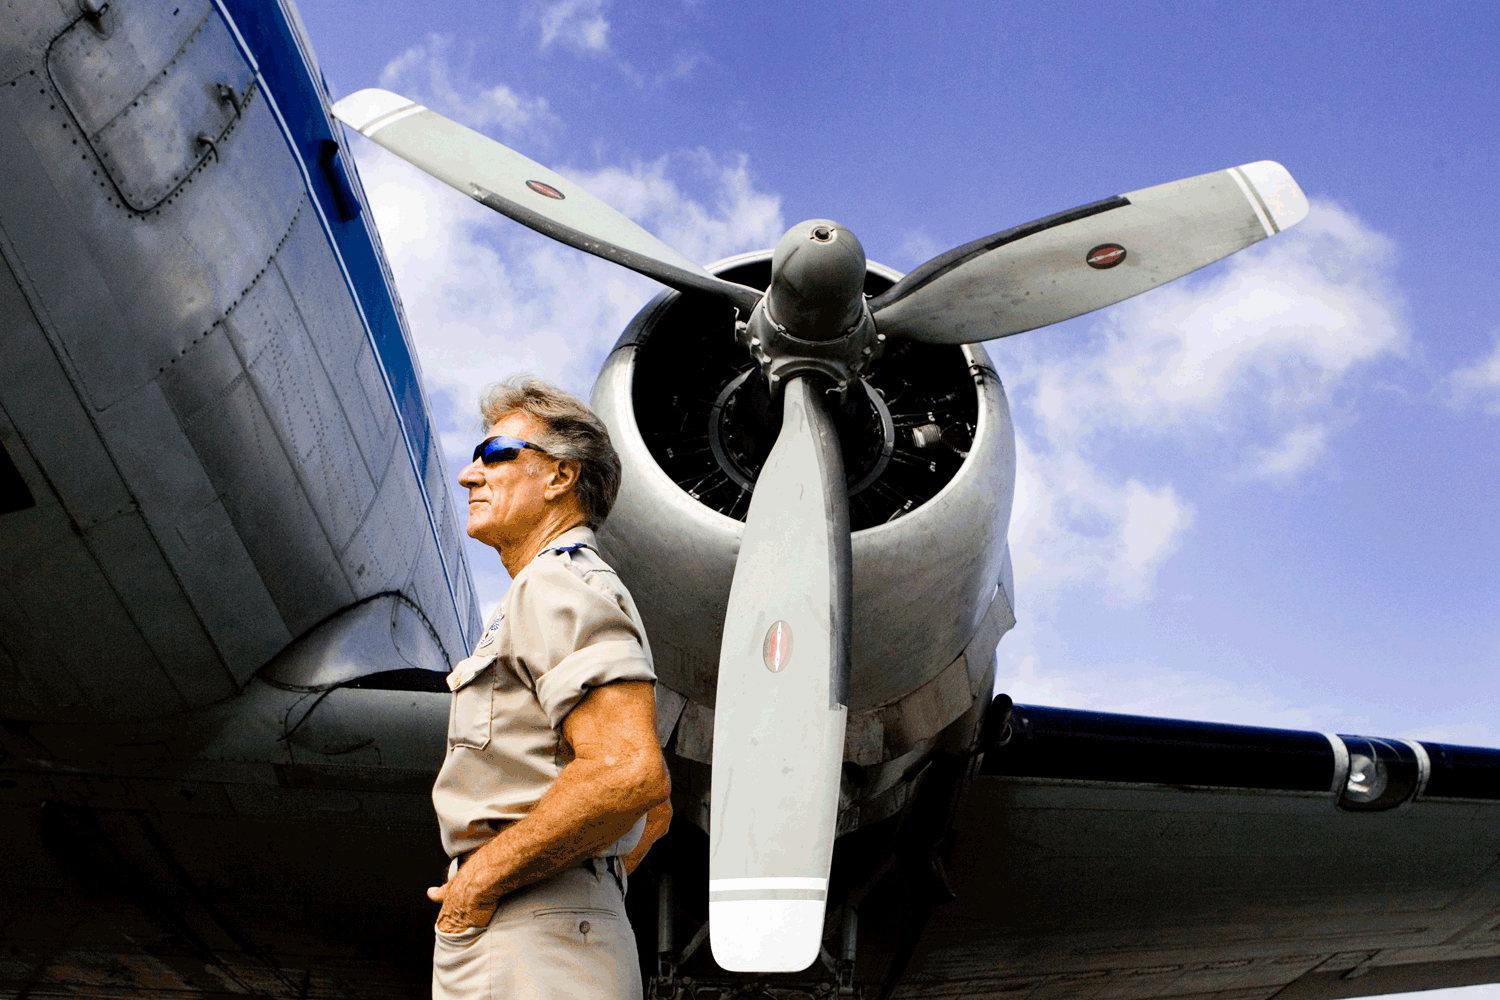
508,500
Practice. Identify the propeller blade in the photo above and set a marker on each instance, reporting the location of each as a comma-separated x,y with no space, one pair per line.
524,190
781,705
1075,262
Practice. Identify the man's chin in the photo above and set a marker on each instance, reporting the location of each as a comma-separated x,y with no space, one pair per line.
476,531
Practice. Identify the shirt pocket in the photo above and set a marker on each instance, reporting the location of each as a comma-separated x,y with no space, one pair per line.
473,707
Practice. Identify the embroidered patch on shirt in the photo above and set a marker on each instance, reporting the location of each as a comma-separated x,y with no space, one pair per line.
492,631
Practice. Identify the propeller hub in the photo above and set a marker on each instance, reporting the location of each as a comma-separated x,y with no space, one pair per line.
817,281
813,319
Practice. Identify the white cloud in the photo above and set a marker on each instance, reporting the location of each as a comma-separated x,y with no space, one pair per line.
487,298
916,247
1072,525
1246,362
1297,450
426,73
736,218
1137,688
1251,357
1266,336
1478,384
683,66
1243,375
578,25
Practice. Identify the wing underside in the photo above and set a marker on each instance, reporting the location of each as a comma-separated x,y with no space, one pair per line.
1110,856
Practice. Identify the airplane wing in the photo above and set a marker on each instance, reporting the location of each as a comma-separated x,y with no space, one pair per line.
1097,855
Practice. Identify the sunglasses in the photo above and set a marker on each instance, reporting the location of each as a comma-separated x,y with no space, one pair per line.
502,449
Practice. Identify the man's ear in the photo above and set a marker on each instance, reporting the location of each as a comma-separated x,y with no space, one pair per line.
564,478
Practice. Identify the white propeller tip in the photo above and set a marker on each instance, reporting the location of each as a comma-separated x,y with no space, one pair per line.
1283,199
370,110
765,935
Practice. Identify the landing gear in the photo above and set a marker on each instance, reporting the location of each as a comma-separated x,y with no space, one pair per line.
846,960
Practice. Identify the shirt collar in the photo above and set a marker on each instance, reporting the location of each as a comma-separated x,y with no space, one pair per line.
581,535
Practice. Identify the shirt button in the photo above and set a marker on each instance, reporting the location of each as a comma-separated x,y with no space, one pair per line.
583,927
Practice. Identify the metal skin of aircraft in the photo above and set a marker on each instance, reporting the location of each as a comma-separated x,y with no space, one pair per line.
232,585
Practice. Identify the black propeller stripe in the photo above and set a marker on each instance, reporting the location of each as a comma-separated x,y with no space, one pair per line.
836,514
743,298
941,265
1265,209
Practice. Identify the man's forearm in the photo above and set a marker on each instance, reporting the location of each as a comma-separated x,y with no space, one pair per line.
588,806
616,775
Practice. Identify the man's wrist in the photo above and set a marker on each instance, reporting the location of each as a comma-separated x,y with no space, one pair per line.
474,890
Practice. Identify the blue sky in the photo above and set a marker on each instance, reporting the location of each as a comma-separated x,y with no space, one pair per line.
1263,494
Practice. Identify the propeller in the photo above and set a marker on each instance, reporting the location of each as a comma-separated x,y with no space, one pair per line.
781,704
502,179
1075,262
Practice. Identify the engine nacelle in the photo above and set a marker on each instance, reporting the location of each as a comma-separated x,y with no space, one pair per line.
930,454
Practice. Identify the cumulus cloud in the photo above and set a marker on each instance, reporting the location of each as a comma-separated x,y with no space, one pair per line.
1243,373
1297,450
487,298
1478,384
1252,357
427,73
1267,336
732,216
1071,523
577,25
1246,361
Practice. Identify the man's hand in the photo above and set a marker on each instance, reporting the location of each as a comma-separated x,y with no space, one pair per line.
657,821
461,910
616,774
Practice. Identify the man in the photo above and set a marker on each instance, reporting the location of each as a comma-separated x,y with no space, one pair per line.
552,762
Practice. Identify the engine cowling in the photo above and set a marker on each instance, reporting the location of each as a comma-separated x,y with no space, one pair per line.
929,449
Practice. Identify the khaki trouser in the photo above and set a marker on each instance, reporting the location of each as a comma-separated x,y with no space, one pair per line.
566,937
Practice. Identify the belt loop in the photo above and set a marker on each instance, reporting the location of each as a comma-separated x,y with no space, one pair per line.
614,864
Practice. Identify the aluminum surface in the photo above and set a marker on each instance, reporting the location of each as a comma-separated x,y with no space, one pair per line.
191,393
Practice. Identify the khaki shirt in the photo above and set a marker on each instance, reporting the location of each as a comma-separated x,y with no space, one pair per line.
567,625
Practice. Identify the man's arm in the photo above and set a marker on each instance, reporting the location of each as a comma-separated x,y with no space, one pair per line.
616,775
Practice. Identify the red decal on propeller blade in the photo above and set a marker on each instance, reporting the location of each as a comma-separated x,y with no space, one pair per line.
777,648
546,190
1105,255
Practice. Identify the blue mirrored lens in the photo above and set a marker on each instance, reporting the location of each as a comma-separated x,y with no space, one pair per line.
496,453
498,449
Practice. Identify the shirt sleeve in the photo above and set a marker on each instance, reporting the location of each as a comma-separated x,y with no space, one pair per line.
571,635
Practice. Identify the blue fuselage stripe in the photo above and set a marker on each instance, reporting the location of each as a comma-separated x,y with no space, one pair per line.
297,94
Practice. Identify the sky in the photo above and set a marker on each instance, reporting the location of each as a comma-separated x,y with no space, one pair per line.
1262,494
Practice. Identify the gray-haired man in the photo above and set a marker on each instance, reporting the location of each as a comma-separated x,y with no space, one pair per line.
553,786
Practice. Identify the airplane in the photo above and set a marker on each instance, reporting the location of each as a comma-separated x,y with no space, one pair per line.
220,479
